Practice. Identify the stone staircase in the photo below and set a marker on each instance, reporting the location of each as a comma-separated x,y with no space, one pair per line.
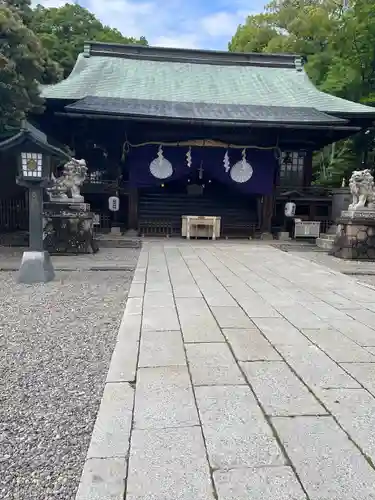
325,241
112,240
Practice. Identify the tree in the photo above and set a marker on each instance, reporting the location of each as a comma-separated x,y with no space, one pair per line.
63,32
23,64
339,45
302,27
353,73
334,163
255,35
20,7
41,46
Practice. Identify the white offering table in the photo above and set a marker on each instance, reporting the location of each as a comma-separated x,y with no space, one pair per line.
205,226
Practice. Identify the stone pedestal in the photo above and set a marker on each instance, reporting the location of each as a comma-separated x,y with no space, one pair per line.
68,228
36,267
355,236
283,236
341,198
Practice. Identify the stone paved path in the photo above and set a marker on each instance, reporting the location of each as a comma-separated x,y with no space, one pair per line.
240,373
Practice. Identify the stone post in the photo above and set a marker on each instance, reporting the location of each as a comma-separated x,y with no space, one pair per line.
36,264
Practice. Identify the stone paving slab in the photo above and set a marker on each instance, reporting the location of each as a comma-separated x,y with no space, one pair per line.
250,345
280,331
123,364
364,316
279,390
110,437
213,364
253,371
161,349
164,320
338,347
364,373
197,321
358,332
164,398
235,430
328,464
168,464
102,479
158,299
261,483
354,409
231,317
315,368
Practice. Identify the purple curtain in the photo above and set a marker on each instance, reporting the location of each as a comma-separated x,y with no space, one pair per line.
263,162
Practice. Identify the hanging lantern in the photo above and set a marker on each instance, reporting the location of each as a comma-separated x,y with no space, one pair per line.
188,157
226,161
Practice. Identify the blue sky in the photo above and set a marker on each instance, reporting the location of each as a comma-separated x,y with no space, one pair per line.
206,24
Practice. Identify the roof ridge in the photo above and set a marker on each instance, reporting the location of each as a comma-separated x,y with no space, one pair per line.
196,56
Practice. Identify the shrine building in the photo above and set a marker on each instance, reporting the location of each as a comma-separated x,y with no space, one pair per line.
176,132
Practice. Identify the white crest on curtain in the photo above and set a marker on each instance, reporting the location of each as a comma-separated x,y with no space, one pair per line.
241,171
160,167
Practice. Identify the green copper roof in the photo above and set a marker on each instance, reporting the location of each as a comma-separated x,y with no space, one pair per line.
188,76
238,114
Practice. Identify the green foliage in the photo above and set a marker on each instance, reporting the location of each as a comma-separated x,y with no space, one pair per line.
254,36
23,63
334,163
41,46
339,46
20,7
63,32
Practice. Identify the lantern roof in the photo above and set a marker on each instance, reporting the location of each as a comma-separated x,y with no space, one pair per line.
30,135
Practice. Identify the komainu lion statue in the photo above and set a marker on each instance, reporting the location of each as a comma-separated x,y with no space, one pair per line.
361,185
69,182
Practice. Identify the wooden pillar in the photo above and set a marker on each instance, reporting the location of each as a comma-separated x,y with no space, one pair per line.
267,212
133,209
307,169
268,205
312,210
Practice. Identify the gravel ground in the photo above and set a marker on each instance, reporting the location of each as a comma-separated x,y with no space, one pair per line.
56,341
10,259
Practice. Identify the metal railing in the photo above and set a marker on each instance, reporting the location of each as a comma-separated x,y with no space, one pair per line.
156,227
102,223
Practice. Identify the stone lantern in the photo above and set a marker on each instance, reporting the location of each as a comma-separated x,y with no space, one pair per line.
34,155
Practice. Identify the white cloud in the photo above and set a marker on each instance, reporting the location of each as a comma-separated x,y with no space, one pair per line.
222,23
131,18
170,23
184,41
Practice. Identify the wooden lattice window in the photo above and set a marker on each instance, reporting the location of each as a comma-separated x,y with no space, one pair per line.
292,168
